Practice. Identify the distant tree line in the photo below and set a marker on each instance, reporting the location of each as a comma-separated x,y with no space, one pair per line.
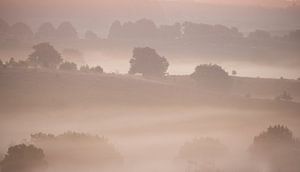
45,56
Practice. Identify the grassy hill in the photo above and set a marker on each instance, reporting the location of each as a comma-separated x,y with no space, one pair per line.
29,89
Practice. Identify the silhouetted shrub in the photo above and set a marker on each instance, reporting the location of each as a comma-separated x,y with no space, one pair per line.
147,62
278,148
212,76
73,55
285,96
68,66
97,69
23,158
45,56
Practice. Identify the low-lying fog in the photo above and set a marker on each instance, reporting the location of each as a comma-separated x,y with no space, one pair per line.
149,138
183,66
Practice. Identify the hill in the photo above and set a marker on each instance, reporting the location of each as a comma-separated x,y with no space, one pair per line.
34,89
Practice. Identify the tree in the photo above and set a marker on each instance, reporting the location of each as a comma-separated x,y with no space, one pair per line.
23,158
46,32
68,66
66,31
45,56
147,62
278,148
97,69
212,76
21,31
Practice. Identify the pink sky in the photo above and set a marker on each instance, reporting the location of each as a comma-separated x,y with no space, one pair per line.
271,3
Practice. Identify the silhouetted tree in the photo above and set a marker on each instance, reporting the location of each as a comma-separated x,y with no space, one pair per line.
277,147
21,31
66,31
97,69
11,63
46,32
212,76
45,56
68,66
285,96
147,62
23,158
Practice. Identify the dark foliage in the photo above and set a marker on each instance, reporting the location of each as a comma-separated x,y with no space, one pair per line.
45,56
147,62
277,147
212,76
97,69
68,66
23,158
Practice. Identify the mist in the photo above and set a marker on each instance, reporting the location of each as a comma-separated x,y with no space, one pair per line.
152,85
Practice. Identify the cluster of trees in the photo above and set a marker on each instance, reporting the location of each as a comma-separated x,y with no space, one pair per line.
46,32
47,57
277,148
142,29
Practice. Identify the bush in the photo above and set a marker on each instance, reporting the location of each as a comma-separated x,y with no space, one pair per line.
212,76
68,66
97,69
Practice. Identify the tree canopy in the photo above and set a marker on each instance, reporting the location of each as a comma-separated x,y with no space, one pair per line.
278,148
147,62
212,76
45,56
